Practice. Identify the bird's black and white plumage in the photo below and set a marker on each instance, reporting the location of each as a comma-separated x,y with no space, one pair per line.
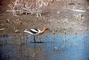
33,31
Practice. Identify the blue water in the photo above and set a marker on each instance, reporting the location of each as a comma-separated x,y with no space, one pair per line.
54,47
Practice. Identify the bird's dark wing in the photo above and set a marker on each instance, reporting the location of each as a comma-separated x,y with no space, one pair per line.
33,32
36,29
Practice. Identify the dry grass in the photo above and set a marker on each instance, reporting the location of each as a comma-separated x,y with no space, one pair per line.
28,6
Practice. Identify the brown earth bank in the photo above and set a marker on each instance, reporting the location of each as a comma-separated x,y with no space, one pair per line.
60,18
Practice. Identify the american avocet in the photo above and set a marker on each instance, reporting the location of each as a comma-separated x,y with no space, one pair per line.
35,32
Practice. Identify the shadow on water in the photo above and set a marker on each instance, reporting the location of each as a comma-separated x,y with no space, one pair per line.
52,47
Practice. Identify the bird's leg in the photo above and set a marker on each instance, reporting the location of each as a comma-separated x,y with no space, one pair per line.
34,39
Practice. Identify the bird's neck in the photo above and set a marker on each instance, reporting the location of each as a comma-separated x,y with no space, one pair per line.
42,31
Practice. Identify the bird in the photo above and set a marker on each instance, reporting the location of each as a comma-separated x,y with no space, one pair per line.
35,32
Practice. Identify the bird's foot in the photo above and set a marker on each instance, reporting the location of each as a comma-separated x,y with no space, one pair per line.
35,42
38,42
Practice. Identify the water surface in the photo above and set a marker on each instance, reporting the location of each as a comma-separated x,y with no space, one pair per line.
53,47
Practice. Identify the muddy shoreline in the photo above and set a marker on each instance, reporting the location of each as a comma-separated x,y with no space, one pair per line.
60,19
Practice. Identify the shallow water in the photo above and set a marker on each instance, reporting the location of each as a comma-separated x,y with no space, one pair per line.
53,47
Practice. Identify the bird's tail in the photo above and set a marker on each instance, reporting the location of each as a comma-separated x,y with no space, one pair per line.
26,30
